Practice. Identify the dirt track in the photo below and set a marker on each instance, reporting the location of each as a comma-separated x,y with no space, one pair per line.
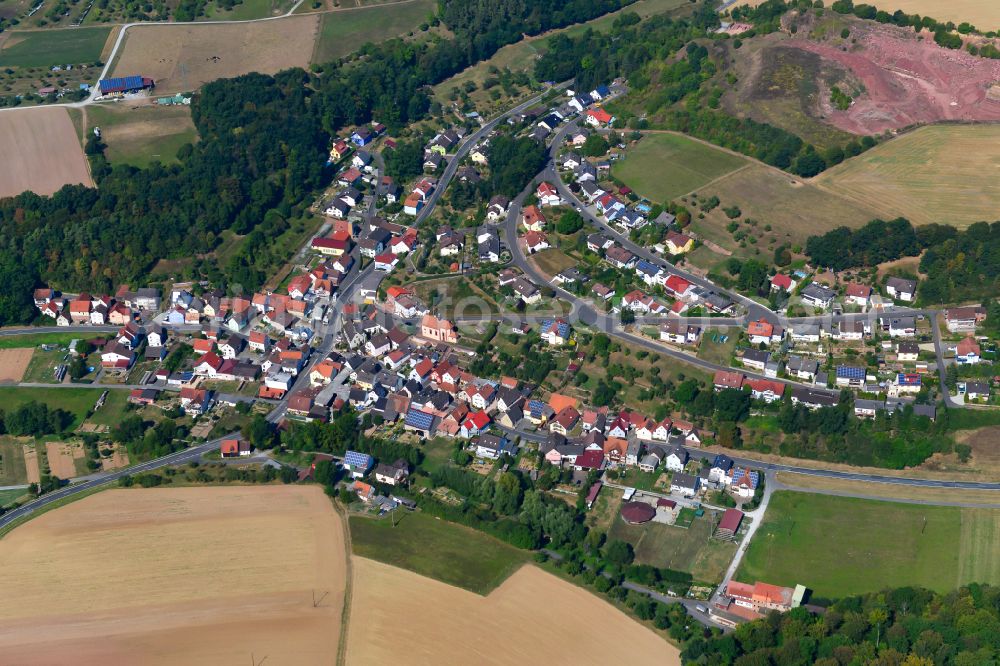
176,576
398,616
40,152
908,80
184,57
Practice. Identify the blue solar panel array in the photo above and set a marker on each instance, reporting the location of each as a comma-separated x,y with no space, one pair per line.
563,327
121,84
419,420
850,372
355,459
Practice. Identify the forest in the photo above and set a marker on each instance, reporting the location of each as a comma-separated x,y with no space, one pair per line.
261,155
905,627
957,265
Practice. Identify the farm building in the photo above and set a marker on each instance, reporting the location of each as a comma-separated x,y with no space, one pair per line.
729,524
124,84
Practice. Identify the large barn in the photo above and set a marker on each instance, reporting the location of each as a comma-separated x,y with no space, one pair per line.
124,84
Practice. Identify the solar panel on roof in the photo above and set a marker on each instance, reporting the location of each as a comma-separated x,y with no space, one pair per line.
419,419
357,459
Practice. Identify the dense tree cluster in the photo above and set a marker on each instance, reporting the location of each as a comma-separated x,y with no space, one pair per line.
832,434
34,419
145,441
909,626
870,245
958,264
513,163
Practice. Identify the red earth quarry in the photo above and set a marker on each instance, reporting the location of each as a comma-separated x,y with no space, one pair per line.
908,80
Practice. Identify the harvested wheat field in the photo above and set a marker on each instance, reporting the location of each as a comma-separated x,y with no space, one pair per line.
537,615
41,152
984,14
182,58
176,576
63,457
13,363
942,173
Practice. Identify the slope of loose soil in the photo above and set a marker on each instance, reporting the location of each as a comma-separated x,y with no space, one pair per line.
945,173
181,58
176,576
907,79
41,152
533,618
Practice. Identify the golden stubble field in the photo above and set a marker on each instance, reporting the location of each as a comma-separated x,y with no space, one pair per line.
40,152
940,173
183,57
176,576
398,616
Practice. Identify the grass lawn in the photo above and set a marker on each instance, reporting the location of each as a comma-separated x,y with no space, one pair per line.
47,48
341,33
553,261
36,339
636,478
716,351
437,453
142,135
12,470
9,496
662,167
78,401
840,546
691,550
935,174
451,553
41,366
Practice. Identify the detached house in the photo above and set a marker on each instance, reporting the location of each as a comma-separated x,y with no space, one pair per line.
901,289
548,195
555,332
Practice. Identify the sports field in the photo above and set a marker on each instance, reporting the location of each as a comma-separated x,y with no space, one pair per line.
183,57
342,32
41,152
142,134
839,546
47,48
662,167
941,173
533,618
176,576
431,547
